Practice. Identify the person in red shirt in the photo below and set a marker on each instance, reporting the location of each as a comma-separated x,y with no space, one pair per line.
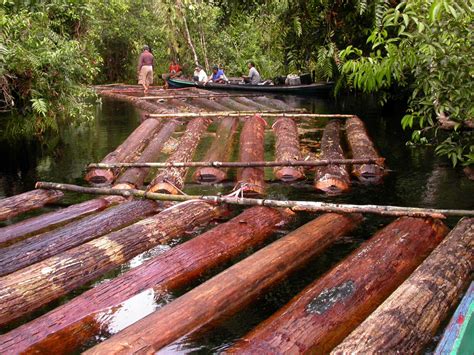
174,71
145,69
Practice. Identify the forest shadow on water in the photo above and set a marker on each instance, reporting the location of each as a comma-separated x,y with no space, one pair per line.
416,178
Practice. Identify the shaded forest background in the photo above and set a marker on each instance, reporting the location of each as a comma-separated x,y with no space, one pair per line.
52,51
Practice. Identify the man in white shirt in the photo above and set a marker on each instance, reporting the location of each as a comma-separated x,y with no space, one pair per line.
199,74
254,76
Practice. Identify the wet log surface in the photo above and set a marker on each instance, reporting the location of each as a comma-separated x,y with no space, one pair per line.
332,179
138,102
252,149
408,320
229,290
171,180
274,103
251,103
27,201
220,150
209,104
42,246
325,312
362,147
287,147
126,152
183,105
233,104
65,328
136,176
30,288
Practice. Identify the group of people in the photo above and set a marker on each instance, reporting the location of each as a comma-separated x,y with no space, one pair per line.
145,72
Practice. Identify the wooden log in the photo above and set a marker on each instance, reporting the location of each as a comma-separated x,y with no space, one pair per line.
254,105
230,290
42,246
183,105
136,176
332,179
252,148
408,320
65,328
233,104
171,180
30,288
326,311
276,104
209,104
137,102
362,147
220,149
15,205
126,151
287,147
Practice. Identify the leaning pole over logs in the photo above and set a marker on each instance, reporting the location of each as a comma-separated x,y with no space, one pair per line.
220,150
410,317
230,290
65,328
30,288
252,149
362,147
332,179
287,147
326,311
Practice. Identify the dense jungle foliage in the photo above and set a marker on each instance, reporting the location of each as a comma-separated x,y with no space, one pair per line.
51,51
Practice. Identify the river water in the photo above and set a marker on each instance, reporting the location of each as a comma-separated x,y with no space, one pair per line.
416,178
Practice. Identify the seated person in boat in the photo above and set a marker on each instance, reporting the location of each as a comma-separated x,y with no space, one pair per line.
174,71
254,76
199,74
217,76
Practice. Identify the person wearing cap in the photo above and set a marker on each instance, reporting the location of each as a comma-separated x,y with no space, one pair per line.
254,76
199,74
145,69
217,76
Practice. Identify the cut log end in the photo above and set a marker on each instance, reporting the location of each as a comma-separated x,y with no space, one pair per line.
164,188
332,186
100,176
288,174
369,173
209,176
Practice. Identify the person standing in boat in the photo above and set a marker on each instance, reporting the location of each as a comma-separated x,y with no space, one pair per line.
217,76
254,76
145,68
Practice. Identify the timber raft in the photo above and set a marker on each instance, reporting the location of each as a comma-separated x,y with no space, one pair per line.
391,294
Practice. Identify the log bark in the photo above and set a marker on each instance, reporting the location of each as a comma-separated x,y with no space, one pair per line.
220,149
64,329
276,104
332,179
171,180
362,147
208,104
230,290
233,104
15,205
408,320
32,287
183,105
125,152
251,149
254,105
42,246
293,113
138,102
325,312
136,176
287,147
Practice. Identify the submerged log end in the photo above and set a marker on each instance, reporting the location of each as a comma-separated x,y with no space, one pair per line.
100,176
253,190
209,175
369,173
164,188
288,174
332,185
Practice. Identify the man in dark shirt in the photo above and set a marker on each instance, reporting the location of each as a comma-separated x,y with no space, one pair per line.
145,69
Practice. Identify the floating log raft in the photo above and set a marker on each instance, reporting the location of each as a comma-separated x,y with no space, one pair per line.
326,311
183,105
332,179
171,180
40,247
65,328
30,288
220,150
233,104
138,102
287,147
407,321
362,147
276,104
126,151
209,104
252,149
252,103
136,176
231,289
27,201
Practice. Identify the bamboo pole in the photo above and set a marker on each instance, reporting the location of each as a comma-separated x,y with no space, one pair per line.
65,328
293,113
230,290
309,206
326,311
408,320
204,95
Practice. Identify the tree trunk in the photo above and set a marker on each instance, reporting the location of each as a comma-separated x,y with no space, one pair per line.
287,147
183,105
276,104
254,105
326,311
32,287
63,329
14,205
186,29
136,176
231,289
208,104
252,148
232,104
139,103
332,179
220,149
125,152
40,247
362,147
171,180
408,320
